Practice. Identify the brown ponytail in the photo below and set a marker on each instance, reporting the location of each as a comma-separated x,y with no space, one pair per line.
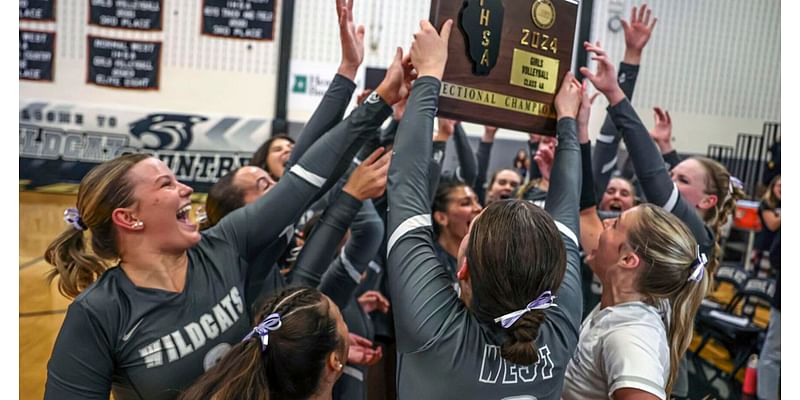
519,347
102,190
515,253
290,366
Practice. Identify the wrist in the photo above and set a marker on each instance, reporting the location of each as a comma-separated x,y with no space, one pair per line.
583,134
633,57
432,72
615,96
348,71
386,94
353,192
487,138
664,146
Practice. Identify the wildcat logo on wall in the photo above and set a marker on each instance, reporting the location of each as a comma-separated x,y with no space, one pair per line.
59,143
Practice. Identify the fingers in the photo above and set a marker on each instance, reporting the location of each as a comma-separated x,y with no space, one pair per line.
373,157
384,161
647,18
594,96
594,48
633,14
653,25
625,26
424,25
669,119
339,7
359,340
642,12
398,55
587,73
360,32
446,28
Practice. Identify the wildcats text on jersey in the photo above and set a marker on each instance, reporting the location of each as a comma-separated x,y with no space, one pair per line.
194,335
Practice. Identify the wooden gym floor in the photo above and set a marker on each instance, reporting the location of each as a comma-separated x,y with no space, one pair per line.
42,308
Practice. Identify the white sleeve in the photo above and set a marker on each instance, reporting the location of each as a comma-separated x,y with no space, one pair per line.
631,360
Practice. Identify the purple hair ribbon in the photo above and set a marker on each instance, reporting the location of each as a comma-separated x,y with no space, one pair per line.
699,266
544,301
73,217
270,323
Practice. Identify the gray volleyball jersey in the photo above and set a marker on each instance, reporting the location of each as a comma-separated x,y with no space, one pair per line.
150,344
444,351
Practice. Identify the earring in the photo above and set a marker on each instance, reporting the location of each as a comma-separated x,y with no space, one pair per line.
137,225
339,367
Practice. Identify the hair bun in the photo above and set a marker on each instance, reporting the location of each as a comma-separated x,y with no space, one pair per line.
519,346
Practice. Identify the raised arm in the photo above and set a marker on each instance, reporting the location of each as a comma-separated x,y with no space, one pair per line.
564,192
344,274
591,226
637,34
656,183
662,135
256,225
533,147
421,292
467,166
333,105
482,156
367,180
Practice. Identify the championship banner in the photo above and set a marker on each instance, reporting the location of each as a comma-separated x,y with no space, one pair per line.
59,143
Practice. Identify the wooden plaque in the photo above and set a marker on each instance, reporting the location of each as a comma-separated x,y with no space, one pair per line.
506,60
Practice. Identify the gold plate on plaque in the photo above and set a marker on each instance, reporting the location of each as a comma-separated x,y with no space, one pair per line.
534,71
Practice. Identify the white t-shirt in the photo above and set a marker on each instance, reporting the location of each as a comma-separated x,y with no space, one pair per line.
623,346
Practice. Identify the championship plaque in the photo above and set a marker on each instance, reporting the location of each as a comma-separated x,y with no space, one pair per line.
506,60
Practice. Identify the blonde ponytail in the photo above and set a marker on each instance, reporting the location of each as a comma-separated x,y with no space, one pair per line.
670,256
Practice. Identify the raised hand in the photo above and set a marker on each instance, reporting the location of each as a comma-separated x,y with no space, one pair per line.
568,99
545,155
605,79
662,132
368,180
488,133
351,39
372,300
637,33
394,86
446,129
429,49
584,112
360,351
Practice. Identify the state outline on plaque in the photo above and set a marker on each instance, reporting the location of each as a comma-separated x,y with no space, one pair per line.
477,22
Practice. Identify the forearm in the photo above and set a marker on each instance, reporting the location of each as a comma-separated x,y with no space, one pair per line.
339,282
533,168
588,198
647,162
565,182
417,282
256,225
605,152
483,156
670,157
466,159
329,112
321,246
344,275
